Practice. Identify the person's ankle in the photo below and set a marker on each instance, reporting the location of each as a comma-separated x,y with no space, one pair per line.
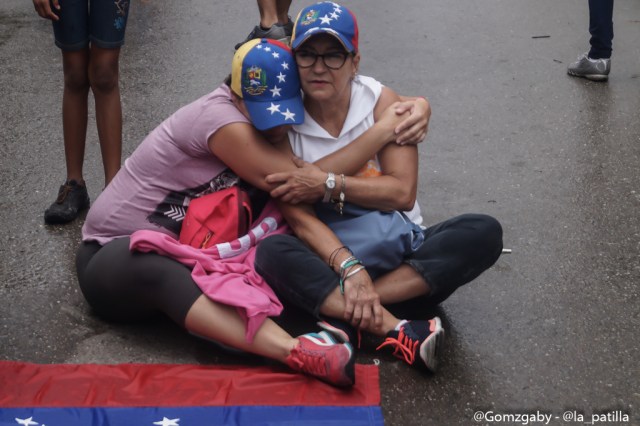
78,181
266,25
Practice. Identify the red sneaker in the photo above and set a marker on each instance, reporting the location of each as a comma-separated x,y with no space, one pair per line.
322,356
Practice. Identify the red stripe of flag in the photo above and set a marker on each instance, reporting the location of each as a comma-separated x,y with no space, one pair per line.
158,385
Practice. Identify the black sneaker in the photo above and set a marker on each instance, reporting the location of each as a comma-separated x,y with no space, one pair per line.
72,199
417,341
280,32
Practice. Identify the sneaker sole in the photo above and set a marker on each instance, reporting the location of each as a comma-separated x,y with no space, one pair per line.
349,369
592,77
430,348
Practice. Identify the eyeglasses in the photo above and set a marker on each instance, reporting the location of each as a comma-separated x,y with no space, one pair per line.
332,60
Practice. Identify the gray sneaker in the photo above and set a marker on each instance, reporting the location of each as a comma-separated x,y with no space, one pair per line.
280,32
593,69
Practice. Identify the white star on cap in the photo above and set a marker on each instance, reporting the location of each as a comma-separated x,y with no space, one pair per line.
267,49
259,46
326,20
288,115
167,422
337,9
275,91
276,55
285,65
274,108
281,78
334,15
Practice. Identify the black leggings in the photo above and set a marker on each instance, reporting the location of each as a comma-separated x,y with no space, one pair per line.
124,286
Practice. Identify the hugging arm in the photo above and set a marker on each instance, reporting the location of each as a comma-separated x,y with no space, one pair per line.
245,151
394,190
241,147
414,128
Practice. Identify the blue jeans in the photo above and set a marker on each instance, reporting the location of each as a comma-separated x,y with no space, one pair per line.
601,28
454,253
102,22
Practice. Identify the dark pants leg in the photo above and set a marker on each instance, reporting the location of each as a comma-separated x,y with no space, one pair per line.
124,286
454,253
601,28
296,273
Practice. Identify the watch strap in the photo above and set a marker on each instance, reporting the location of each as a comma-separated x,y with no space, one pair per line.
328,190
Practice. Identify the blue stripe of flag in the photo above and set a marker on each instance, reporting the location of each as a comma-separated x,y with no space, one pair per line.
195,416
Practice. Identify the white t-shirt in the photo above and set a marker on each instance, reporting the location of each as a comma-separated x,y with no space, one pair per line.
311,142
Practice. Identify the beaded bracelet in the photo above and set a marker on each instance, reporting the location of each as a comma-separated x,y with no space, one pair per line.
341,198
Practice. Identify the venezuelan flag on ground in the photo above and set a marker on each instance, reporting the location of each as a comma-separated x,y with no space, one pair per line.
180,395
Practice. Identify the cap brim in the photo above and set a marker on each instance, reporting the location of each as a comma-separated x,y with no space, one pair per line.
318,30
266,115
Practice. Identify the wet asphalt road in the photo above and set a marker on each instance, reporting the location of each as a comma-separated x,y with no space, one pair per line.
553,327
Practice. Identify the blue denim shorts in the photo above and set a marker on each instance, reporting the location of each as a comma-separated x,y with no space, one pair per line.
101,22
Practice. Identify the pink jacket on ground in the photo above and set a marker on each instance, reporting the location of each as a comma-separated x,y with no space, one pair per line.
225,272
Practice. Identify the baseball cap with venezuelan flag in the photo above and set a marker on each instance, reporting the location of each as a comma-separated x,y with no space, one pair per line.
265,76
326,17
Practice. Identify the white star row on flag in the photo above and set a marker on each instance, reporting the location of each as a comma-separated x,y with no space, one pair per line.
164,422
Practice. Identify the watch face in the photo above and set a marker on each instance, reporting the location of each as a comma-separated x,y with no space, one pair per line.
330,183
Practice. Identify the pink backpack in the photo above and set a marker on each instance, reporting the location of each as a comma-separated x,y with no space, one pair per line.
216,218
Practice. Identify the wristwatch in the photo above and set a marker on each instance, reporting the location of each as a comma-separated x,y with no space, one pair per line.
329,185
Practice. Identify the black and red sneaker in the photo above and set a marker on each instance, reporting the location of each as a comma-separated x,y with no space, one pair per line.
417,343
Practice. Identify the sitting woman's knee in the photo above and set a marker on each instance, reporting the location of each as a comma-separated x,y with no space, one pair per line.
488,233
491,228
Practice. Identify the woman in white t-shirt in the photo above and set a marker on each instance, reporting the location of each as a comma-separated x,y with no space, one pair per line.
323,276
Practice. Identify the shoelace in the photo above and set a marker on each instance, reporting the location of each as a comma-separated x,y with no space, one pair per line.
405,347
312,364
66,189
